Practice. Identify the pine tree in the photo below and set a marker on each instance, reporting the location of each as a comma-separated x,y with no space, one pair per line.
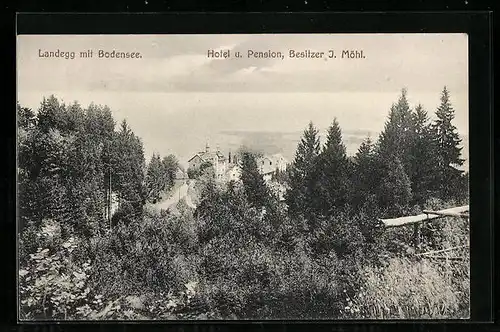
52,178
154,179
364,154
25,117
422,152
333,168
396,138
393,164
448,150
255,187
48,114
170,165
68,158
394,192
90,178
75,120
128,166
213,212
26,131
362,178
303,178
160,176
47,166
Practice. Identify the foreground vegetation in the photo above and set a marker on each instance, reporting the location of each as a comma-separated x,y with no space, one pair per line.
242,253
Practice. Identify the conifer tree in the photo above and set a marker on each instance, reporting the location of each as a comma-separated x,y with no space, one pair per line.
422,152
128,161
88,177
154,179
364,154
54,188
48,116
448,148
394,192
334,177
68,158
76,120
210,199
363,180
28,166
392,170
396,138
255,187
303,178
25,117
170,164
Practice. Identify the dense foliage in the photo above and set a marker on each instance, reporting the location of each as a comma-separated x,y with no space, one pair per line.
160,176
243,252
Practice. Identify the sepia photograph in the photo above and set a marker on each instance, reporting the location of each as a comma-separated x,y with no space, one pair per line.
243,177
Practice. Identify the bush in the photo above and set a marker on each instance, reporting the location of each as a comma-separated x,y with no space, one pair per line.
253,281
53,285
228,260
258,264
152,256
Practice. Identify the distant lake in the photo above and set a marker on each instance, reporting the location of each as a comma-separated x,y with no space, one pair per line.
182,123
286,142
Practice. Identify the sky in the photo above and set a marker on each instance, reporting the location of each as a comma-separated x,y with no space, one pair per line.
176,98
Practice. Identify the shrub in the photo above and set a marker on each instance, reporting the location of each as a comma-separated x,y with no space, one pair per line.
228,260
52,285
256,282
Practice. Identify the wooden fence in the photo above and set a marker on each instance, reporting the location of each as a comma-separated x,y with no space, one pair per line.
458,212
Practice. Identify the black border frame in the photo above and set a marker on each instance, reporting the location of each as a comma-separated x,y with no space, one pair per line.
478,26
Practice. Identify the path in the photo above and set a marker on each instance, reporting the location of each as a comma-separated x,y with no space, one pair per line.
175,197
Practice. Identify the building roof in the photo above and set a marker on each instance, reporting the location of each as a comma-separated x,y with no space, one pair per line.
277,156
266,169
208,156
275,159
180,174
196,155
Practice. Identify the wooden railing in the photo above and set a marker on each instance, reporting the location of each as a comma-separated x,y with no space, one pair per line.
457,212
460,211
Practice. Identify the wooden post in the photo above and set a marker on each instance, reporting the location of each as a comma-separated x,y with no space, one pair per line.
416,236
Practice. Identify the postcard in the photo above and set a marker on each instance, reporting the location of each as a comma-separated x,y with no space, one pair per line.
243,177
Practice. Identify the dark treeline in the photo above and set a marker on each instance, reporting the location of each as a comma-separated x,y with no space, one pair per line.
413,160
68,159
242,253
71,159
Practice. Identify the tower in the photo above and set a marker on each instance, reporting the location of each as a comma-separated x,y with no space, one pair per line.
207,147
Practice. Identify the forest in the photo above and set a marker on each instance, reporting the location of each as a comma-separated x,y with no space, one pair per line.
321,253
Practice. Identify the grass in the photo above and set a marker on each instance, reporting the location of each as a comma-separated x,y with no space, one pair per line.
409,289
412,287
